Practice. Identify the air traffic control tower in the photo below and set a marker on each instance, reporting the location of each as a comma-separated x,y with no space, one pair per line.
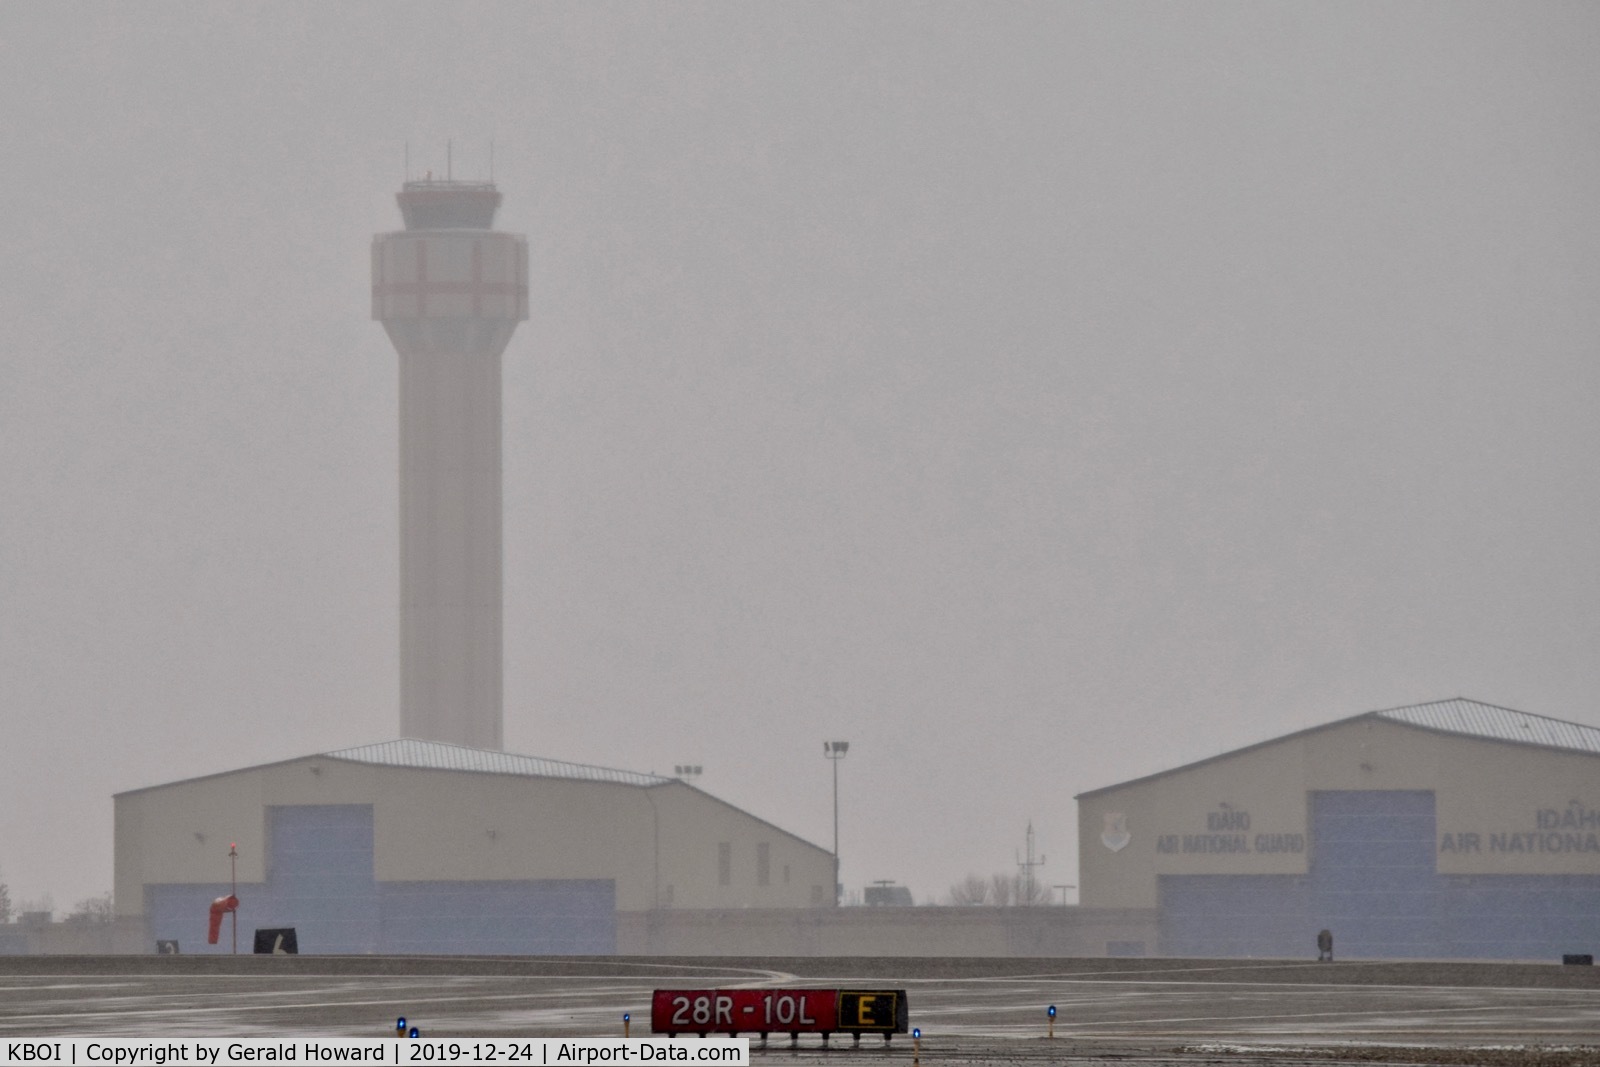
450,291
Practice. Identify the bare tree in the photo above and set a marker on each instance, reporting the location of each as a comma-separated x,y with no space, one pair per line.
5,903
971,890
1002,890
999,890
92,910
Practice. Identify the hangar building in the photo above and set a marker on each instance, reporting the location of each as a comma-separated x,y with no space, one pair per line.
424,847
1451,829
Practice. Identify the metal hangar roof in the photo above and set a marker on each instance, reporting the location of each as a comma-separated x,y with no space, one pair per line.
1469,718
439,756
1457,716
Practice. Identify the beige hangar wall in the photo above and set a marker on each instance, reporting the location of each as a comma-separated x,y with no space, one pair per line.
661,843
1496,804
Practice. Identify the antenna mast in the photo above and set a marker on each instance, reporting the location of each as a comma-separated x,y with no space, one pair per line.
1025,883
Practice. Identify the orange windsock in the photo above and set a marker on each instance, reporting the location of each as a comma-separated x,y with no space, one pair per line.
218,907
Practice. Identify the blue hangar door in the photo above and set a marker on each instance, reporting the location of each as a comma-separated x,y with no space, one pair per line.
320,881
1372,872
1370,880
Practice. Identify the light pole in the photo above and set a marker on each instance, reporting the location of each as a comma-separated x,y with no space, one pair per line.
233,869
835,751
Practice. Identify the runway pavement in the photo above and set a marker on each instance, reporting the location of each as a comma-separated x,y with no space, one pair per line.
970,1011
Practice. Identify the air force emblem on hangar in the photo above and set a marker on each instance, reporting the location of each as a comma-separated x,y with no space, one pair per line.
1115,836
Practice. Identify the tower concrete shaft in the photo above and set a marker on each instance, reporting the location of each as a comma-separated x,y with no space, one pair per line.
450,291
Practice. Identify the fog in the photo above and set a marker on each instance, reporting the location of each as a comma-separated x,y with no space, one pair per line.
1034,395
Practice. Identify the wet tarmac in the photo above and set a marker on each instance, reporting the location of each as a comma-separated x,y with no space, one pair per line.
969,1011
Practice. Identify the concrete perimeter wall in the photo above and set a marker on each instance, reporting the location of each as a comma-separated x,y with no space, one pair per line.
121,937
925,931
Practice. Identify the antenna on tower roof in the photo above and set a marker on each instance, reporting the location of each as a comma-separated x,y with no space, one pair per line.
408,161
491,161
449,148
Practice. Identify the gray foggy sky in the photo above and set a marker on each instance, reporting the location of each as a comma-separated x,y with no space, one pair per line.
1035,395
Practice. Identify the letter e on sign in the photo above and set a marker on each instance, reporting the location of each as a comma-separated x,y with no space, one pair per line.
876,1011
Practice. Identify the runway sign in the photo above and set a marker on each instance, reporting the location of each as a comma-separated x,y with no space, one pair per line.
783,1011
277,941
